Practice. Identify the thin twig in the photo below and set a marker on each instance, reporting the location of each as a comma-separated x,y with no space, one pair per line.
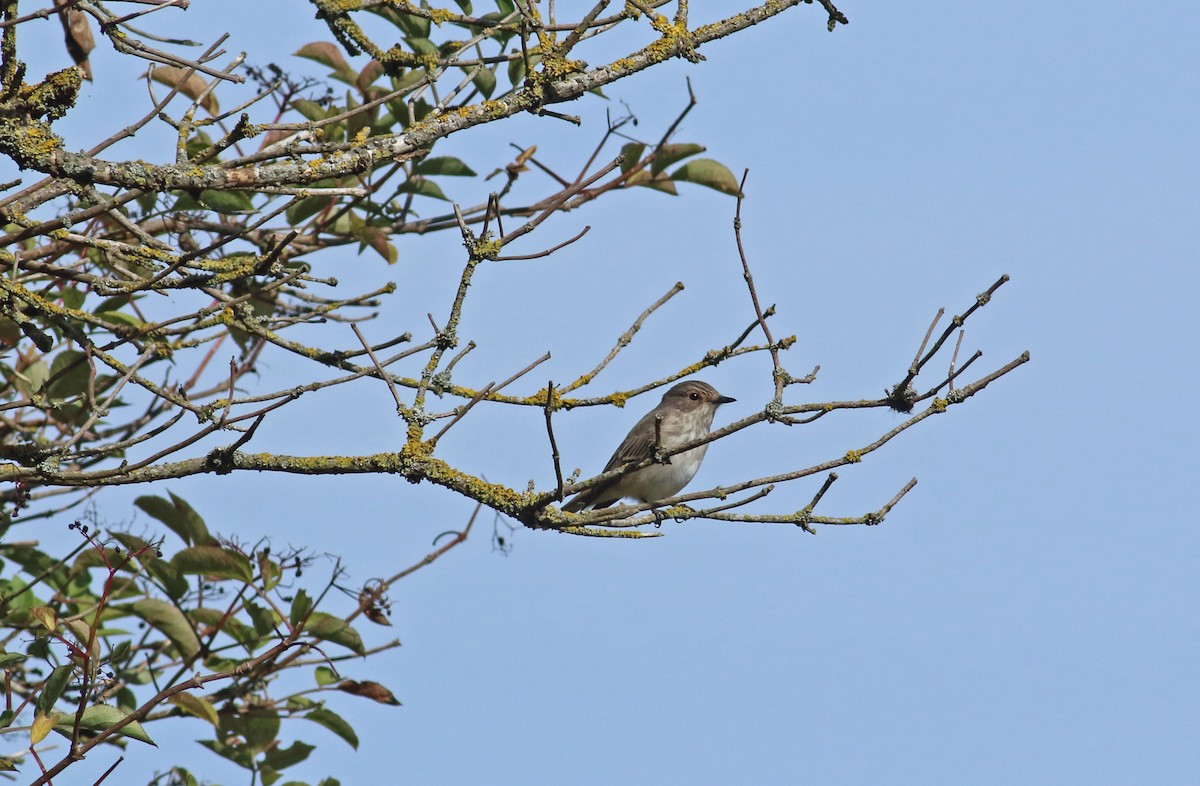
558,493
485,392
233,367
949,380
547,252
780,376
625,338
379,369
954,359
374,592
109,771
805,513
981,300
102,410
925,341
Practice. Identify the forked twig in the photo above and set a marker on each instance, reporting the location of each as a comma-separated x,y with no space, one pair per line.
400,408
981,300
780,376
487,390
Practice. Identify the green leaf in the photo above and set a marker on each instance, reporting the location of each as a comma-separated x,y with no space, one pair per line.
227,202
500,34
306,208
220,663
373,236
264,619
412,25
197,707
172,581
331,628
119,653
197,144
171,622
297,703
282,758
673,154
182,777
9,659
359,120
73,298
633,154
302,606
335,723
99,717
413,77
325,676
114,303
179,517
33,561
444,165
147,201
33,378
214,561
119,318
659,182
20,601
259,729
485,81
269,569
45,615
330,55
183,201
42,725
239,754
423,187
422,46
56,683
516,72
709,173
132,543
310,109
83,635
73,413
231,626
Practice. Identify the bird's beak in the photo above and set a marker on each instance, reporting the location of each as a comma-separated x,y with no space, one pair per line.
725,400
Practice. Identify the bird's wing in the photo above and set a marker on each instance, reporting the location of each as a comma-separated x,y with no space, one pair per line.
634,448
638,444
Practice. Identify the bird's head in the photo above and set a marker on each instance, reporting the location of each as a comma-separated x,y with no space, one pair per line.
693,395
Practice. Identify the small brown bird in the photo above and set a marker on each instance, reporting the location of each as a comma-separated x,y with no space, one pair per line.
684,414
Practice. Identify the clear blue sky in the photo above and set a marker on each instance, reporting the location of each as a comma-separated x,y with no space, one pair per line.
1027,615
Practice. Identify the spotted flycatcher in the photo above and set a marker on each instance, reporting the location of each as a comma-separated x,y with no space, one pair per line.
685,414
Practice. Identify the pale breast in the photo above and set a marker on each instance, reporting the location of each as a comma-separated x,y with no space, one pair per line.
660,481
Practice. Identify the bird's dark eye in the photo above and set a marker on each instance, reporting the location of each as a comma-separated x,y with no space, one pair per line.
694,396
